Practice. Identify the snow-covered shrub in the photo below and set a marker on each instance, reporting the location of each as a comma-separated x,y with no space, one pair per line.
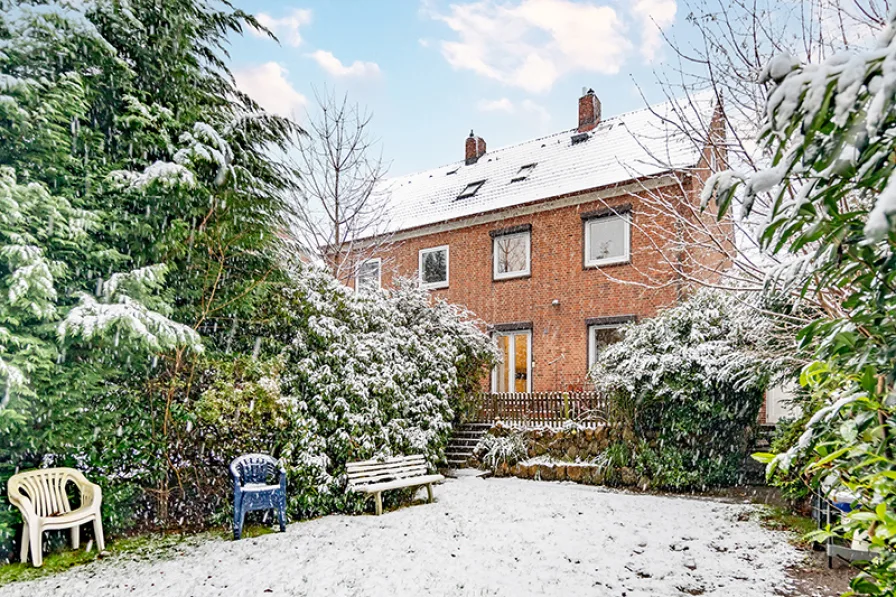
235,407
496,450
375,374
831,131
691,380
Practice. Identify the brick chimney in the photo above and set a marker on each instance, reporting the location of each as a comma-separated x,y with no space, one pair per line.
589,111
475,149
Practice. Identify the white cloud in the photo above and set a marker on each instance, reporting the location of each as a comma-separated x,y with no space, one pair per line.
526,108
654,15
266,84
286,28
423,42
334,66
532,44
537,110
498,105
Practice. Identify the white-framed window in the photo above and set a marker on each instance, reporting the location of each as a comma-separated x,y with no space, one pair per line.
514,372
433,267
512,255
369,275
599,337
607,240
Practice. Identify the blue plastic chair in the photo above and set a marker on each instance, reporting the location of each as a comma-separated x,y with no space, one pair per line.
251,490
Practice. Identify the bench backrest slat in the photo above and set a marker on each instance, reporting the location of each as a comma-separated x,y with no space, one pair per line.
374,471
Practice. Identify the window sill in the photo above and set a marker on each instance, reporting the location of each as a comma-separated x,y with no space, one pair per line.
626,261
443,286
515,277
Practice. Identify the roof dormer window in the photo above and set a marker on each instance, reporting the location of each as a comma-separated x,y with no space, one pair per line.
471,189
524,172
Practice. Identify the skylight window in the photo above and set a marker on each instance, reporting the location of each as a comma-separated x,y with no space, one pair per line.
523,172
471,189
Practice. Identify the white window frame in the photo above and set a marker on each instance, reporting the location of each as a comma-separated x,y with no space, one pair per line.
434,285
512,358
519,274
592,348
627,240
379,273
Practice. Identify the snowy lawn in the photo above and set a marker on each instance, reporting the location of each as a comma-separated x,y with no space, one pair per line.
481,537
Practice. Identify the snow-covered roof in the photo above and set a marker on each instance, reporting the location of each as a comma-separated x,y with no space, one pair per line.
631,145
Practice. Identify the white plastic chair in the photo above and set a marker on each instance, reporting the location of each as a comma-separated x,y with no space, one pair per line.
43,500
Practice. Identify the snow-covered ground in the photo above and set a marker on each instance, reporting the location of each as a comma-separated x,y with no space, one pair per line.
481,537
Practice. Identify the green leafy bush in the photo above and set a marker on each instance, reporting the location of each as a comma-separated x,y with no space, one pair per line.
831,131
687,386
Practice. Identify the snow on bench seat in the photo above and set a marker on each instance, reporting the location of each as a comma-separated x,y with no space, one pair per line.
373,477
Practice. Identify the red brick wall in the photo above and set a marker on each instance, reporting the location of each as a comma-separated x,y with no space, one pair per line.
559,333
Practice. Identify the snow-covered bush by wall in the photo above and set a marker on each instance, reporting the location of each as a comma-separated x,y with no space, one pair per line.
690,381
496,450
376,374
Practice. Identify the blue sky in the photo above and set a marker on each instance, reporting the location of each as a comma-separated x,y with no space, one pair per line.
430,71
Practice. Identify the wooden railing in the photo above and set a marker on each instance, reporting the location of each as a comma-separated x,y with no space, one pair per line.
543,409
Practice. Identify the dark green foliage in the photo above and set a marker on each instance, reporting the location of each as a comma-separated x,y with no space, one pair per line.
686,388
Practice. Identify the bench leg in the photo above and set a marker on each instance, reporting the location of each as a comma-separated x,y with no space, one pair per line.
429,491
379,502
76,537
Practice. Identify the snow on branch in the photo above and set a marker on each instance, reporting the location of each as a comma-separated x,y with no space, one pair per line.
32,285
91,320
167,174
825,123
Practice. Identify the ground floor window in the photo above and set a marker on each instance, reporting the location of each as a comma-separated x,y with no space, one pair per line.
599,337
514,372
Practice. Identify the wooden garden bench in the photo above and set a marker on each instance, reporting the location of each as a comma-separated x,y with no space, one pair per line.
376,476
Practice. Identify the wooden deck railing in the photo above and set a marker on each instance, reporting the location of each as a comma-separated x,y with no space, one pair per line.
543,409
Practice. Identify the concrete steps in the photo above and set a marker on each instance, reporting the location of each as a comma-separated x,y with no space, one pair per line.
463,440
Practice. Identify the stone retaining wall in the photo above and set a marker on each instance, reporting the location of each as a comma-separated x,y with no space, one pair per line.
562,444
588,474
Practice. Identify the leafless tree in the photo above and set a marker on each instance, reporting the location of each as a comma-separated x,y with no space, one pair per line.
339,208
730,42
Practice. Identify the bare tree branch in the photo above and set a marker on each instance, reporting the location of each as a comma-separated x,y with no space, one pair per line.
340,198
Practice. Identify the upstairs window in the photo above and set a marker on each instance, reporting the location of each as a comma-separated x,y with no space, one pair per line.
471,189
434,267
369,276
512,255
607,239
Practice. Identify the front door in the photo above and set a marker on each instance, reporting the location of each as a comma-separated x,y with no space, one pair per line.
514,372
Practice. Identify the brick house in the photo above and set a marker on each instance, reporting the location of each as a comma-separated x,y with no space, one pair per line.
557,241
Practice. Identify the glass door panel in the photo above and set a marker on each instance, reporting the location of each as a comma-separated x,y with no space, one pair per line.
502,369
521,362
513,373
